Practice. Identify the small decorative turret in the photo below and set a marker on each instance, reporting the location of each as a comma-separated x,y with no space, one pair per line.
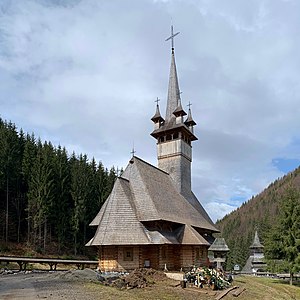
157,119
255,262
189,122
256,246
179,113
219,249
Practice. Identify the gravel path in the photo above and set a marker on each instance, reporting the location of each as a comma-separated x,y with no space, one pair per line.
45,285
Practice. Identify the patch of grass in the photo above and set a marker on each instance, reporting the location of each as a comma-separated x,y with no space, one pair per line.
161,290
265,288
256,288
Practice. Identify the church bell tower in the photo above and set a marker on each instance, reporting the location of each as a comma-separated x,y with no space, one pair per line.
175,133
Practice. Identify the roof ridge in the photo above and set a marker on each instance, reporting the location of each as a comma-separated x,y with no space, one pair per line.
145,162
120,177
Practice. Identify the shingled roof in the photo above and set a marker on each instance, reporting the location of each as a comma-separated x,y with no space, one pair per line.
256,242
219,245
146,194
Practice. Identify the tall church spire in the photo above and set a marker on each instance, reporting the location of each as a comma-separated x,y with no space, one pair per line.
174,135
173,90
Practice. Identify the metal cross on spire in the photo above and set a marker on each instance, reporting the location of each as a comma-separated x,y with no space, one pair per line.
172,37
133,151
157,100
189,105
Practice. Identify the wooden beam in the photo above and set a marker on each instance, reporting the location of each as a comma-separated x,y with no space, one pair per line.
225,292
238,292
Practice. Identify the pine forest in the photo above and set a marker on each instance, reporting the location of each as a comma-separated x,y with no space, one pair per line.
48,197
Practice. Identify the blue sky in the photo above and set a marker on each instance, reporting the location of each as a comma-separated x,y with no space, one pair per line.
286,165
85,74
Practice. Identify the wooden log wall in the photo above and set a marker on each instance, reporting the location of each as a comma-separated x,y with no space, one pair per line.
150,253
167,257
108,256
125,264
174,257
187,257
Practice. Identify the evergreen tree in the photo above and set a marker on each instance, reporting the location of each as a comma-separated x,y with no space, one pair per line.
80,192
28,159
283,241
61,206
41,192
10,162
18,200
103,189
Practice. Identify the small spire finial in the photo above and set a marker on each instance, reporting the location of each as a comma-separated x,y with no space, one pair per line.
189,105
172,37
133,151
157,100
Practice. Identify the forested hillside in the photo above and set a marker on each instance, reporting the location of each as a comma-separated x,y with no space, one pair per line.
48,197
260,212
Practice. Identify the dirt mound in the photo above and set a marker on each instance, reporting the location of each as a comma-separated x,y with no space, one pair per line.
79,275
139,278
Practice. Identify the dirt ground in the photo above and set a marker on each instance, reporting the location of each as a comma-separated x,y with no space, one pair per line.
83,284
43,285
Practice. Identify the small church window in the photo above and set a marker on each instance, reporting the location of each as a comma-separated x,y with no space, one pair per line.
175,135
168,137
128,254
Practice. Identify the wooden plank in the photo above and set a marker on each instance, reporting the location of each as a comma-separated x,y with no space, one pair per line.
238,292
46,260
52,262
225,292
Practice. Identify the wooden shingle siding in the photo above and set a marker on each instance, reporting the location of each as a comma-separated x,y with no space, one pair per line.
156,197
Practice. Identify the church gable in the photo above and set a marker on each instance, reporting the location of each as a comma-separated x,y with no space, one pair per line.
119,223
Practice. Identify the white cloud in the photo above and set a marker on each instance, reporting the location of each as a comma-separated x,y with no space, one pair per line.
218,210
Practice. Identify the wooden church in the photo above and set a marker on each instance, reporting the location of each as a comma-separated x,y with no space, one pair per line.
256,261
152,218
